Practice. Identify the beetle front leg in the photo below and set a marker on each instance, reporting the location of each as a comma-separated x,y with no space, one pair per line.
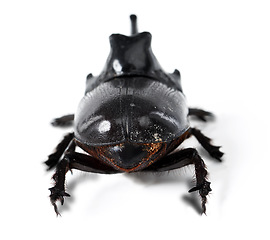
74,160
58,191
181,159
87,163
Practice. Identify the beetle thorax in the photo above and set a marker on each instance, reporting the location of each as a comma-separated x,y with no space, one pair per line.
130,55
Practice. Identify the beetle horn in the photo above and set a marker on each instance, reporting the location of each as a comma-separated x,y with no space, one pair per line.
134,27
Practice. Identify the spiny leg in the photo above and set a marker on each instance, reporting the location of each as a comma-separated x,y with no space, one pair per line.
200,114
58,190
74,160
63,121
181,159
54,158
206,143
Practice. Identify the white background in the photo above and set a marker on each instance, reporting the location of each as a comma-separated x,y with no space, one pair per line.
222,51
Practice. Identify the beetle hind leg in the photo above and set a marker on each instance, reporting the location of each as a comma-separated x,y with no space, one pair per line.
206,144
181,159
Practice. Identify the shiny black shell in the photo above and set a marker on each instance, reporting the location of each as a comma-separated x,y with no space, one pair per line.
133,100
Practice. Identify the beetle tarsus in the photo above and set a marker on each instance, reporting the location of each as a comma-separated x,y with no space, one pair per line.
181,159
204,190
58,190
57,195
200,114
63,121
206,143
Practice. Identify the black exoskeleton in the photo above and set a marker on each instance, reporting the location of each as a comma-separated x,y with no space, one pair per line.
131,117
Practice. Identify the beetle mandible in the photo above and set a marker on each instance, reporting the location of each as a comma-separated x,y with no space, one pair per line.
131,119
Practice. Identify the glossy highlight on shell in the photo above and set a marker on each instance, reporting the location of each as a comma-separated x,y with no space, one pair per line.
132,118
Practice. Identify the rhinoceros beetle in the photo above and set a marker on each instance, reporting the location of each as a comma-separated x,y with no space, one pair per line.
131,119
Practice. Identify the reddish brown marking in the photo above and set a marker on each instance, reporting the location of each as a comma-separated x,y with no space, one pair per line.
176,142
154,151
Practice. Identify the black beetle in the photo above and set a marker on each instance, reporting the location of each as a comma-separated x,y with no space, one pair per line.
132,116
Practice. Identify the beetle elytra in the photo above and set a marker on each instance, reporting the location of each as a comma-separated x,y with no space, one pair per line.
131,119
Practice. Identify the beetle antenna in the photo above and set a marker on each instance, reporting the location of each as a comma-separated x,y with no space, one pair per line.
134,27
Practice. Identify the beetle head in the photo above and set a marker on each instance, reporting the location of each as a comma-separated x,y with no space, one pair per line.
128,157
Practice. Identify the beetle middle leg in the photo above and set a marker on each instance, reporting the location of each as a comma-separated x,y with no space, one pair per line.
206,144
181,159
63,121
200,114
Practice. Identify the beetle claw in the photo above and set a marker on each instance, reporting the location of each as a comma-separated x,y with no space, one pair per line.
57,195
216,153
204,190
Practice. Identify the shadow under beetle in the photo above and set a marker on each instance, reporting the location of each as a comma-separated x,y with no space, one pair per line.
131,117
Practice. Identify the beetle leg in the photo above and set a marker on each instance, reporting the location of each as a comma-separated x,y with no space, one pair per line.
200,114
58,191
74,160
205,142
181,159
87,163
54,158
63,121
